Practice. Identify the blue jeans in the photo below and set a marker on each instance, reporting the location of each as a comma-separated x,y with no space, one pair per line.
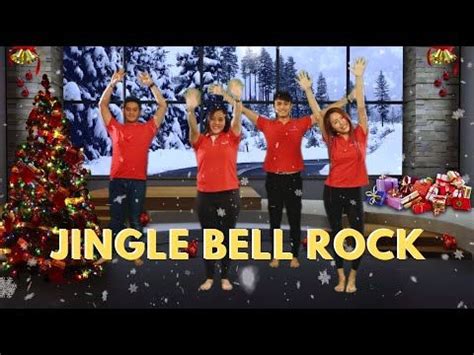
127,199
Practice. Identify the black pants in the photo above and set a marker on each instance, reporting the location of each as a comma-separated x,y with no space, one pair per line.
219,210
348,200
285,190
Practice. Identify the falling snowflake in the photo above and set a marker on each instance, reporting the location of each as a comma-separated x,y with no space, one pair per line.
298,285
62,300
104,295
115,261
133,271
119,199
466,178
7,287
348,248
371,274
32,262
133,288
459,113
248,278
413,279
221,212
333,263
187,272
244,181
463,82
298,192
353,202
312,297
58,72
29,296
277,144
458,254
324,277
469,64
146,284
444,256
189,175
461,305
399,292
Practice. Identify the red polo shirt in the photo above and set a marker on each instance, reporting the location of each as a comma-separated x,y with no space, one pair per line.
283,143
217,162
130,144
347,159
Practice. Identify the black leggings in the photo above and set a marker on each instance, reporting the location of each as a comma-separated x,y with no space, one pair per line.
285,190
218,210
348,200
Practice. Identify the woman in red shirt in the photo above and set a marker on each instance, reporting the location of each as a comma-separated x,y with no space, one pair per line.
218,199
348,172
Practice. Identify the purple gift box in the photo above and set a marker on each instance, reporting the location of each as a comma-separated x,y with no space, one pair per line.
386,183
394,202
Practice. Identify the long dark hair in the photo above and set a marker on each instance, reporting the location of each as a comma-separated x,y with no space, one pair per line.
331,132
209,116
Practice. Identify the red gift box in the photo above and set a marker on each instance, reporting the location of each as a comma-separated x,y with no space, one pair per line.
421,207
461,203
422,186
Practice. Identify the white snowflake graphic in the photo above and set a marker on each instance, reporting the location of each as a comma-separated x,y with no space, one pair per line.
29,296
298,285
371,274
459,113
461,305
413,279
469,64
119,199
466,178
298,192
444,256
221,212
7,287
248,278
353,202
146,284
458,254
133,288
333,263
324,277
133,271
244,181
104,295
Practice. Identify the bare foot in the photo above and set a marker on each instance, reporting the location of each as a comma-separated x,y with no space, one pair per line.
351,282
275,263
294,263
340,285
138,262
206,285
226,285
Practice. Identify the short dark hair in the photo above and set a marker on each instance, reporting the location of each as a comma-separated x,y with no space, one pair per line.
132,99
282,95
212,111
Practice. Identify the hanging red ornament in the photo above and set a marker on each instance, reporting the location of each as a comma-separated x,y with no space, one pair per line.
144,218
20,83
25,92
449,241
446,76
29,75
24,55
192,248
438,83
443,92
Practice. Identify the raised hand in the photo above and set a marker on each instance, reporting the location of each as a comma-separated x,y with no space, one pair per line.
358,67
117,76
215,89
304,80
235,87
193,98
145,78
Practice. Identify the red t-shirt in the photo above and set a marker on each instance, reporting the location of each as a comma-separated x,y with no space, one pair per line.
347,159
217,162
284,143
130,144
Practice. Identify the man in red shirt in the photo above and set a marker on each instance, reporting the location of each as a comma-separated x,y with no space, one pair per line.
130,144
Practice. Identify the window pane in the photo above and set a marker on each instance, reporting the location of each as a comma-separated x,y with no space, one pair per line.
384,73
256,69
87,71
326,66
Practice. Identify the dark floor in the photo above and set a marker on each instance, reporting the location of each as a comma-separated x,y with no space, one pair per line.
431,283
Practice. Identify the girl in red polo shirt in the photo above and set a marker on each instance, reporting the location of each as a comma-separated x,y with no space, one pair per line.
218,199
348,172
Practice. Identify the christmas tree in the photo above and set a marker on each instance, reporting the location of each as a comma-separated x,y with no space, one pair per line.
47,192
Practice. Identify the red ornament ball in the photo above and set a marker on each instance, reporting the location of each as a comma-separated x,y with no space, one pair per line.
144,218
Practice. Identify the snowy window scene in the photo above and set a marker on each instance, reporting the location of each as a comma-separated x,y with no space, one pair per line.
263,70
